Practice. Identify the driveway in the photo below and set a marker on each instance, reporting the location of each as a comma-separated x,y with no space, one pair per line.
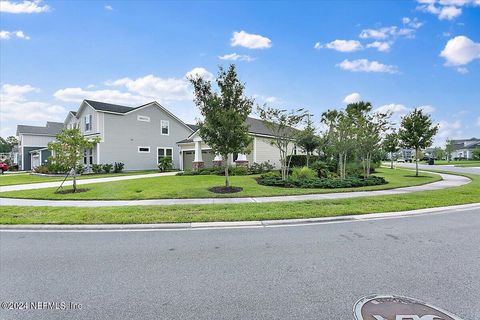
299,272
451,168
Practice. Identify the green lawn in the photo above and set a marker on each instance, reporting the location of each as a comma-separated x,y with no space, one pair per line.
459,163
25,178
197,187
469,193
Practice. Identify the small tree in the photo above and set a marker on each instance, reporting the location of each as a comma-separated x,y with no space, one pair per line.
438,153
281,124
476,153
449,149
224,113
308,140
417,132
391,145
68,150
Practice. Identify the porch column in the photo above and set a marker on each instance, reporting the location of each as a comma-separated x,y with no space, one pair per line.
218,161
198,161
241,160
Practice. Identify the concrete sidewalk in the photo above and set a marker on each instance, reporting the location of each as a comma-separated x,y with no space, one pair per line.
447,182
44,185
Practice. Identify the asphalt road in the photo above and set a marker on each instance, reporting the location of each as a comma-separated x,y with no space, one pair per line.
299,272
451,168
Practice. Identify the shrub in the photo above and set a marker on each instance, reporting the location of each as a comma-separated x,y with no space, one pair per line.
303,173
80,168
257,168
237,171
165,164
324,183
54,167
97,168
41,169
300,160
107,167
272,174
118,167
321,168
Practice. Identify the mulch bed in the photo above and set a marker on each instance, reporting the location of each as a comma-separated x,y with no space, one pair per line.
225,190
67,191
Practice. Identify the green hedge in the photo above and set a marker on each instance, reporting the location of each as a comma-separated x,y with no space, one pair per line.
300,160
323,183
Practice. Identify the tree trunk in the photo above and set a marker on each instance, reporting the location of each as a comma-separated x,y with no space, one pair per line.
227,181
340,165
345,165
391,160
416,162
74,176
308,157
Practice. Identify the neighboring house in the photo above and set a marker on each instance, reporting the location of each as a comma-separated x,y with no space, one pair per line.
406,154
463,148
32,144
195,153
138,137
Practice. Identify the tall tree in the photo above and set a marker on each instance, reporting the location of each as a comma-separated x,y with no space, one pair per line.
307,139
367,130
6,145
68,150
417,132
281,124
438,153
449,149
224,113
391,145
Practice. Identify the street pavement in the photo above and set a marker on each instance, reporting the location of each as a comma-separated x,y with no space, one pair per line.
451,168
294,272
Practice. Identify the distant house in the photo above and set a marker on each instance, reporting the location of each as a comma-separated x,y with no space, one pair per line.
32,144
463,148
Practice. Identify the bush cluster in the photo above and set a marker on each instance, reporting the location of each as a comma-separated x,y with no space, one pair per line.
255,168
324,183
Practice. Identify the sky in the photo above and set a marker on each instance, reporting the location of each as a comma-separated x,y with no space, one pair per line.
398,55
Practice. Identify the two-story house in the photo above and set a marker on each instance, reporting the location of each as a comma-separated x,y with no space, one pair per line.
137,137
32,144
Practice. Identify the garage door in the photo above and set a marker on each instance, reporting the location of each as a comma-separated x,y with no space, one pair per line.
189,156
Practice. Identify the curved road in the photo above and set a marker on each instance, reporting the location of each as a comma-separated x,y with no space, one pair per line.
300,272
472,170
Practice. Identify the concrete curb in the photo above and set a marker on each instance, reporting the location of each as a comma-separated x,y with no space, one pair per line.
236,224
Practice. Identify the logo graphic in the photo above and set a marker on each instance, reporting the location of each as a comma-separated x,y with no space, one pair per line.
388,307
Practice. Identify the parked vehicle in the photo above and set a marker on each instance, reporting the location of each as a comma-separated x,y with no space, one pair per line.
401,160
3,167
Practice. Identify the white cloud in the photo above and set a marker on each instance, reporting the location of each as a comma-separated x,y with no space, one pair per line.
381,33
108,7
448,129
110,96
397,110
460,51
35,6
199,72
341,45
462,70
446,9
15,106
427,108
6,35
236,57
364,65
380,46
352,98
251,41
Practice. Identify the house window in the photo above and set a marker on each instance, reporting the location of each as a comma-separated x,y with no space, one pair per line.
165,127
143,118
87,156
164,152
143,149
295,149
88,122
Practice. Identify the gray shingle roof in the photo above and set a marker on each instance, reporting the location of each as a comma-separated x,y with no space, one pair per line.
256,127
51,129
102,106
194,127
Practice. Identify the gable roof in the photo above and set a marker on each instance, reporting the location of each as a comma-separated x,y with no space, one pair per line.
50,129
256,126
109,107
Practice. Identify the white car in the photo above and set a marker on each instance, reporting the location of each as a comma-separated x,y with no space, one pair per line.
401,160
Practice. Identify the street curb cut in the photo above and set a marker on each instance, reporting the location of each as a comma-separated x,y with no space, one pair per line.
235,224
